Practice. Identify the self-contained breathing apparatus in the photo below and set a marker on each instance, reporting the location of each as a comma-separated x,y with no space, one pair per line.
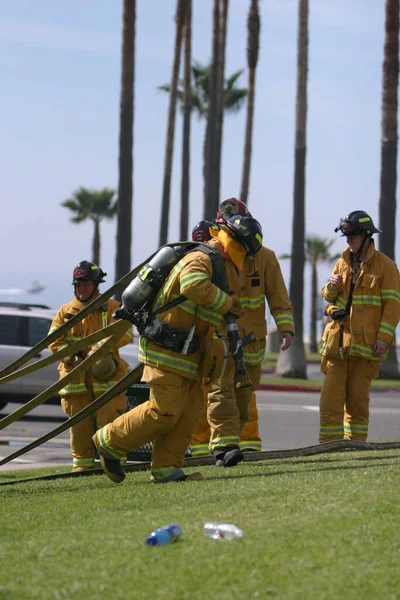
139,296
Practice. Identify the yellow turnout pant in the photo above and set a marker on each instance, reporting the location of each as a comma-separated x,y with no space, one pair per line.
80,435
168,418
344,402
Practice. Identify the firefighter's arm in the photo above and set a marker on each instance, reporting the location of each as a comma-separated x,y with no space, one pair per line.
64,340
331,290
60,342
195,283
390,293
277,296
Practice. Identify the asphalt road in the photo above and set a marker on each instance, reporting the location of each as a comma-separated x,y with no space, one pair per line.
286,420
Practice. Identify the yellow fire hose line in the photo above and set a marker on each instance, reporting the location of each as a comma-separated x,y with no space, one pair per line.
132,377
72,349
122,327
94,305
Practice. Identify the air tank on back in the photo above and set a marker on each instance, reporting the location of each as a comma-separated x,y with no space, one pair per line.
150,278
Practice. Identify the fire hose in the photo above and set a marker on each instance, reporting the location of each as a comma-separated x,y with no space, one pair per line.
201,461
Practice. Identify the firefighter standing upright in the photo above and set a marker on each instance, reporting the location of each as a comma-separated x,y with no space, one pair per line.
172,367
103,375
262,281
364,297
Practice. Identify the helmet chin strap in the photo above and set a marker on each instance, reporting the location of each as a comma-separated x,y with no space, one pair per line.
359,251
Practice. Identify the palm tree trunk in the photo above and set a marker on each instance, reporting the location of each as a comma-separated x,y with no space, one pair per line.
253,37
292,363
210,166
125,186
169,150
312,346
223,24
187,109
205,163
387,203
96,243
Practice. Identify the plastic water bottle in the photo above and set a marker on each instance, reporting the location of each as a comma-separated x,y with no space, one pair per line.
165,535
222,531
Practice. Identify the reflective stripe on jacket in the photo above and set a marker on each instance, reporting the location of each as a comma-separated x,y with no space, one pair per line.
190,277
375,307
91,323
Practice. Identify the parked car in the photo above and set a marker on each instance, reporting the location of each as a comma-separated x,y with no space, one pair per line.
21,327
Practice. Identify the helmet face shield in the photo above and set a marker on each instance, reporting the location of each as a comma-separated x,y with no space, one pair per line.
346,227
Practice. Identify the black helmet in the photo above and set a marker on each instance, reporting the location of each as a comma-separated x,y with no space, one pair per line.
88,271
201,231
245,230
356,223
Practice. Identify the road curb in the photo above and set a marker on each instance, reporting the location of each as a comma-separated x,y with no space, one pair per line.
277,387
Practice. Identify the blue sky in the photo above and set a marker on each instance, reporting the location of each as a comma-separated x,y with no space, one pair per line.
60,74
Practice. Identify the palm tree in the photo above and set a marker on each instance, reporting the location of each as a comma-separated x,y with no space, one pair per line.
292,362
387,203
216,179
187,110
316,252
95,205
234,98
210,165
169,149
253,37
125,185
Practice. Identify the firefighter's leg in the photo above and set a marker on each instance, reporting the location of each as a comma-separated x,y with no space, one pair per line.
356,415
110,411
224,419
333,399
201,436
145,422
169,448
80,435
249,436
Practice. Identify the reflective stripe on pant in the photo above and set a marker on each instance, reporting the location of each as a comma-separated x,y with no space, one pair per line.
168,418
80,435
249,436
344,402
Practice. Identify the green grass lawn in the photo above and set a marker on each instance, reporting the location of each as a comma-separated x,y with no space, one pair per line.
322,527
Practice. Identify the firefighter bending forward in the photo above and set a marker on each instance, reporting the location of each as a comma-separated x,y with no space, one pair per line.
104,374
176,398
364,297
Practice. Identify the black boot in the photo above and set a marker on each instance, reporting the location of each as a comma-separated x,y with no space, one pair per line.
112,468
229,457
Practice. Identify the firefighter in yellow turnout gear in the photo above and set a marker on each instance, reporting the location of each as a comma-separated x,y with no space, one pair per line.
262,280
78,394
364,297
173,368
